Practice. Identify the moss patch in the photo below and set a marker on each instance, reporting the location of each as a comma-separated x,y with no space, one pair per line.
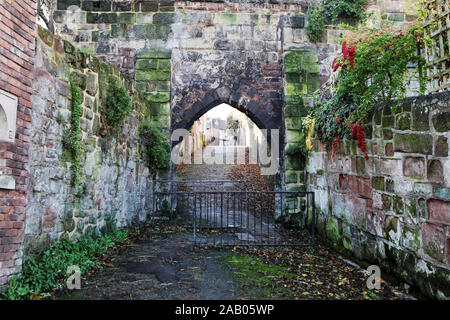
258,280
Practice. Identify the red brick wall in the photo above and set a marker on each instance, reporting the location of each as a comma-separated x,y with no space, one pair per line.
17,47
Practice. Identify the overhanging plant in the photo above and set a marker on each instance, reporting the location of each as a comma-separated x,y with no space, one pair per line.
372,69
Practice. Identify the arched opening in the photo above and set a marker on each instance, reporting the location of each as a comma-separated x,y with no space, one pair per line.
224,143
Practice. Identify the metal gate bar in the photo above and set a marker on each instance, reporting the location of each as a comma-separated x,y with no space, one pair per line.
245,218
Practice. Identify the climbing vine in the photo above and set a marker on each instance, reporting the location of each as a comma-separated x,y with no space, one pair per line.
72,140
155,150
315,22
372,69
330,11
118,105
335,9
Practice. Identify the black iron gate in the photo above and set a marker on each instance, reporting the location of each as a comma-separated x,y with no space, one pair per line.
237,217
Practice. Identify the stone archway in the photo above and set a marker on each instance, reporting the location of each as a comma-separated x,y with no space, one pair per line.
262,112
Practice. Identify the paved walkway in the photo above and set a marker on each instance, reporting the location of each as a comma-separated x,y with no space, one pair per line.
162,263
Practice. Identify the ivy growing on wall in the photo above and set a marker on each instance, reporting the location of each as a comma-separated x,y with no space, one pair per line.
315,22
338,9
155,150
72,139
330,11
118,105
372,70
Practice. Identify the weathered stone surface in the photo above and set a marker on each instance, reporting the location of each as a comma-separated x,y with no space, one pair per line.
55,209
96,5
155,53
433,241
64,4
403,121
204,49
413,143
435,171
441,122
439,211
79,79
414,167
378,183
441,147
420,118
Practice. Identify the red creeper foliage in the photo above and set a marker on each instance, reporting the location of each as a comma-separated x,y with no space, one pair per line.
348,57
335,145
358,133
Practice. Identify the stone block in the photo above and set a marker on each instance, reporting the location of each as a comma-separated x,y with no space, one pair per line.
378,183
413,143
96,18
398,205
164,64
147,6
155,53
403,121
301,61
441,147
414,167
144,31
79,79
163,86
127,18
389,149
388,121
157,96
332,231
146,64
388,134
439,211
91,84
162,32
99,5
433,240
148,75
160,109
120,6
46,36
166,5
144,18
291,177
435,171
443,193
165,18
65,4
420,119
297,22
441,122
410,238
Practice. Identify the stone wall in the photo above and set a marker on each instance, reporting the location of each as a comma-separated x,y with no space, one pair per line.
115,186
17,46
301,85
189,56
394,209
